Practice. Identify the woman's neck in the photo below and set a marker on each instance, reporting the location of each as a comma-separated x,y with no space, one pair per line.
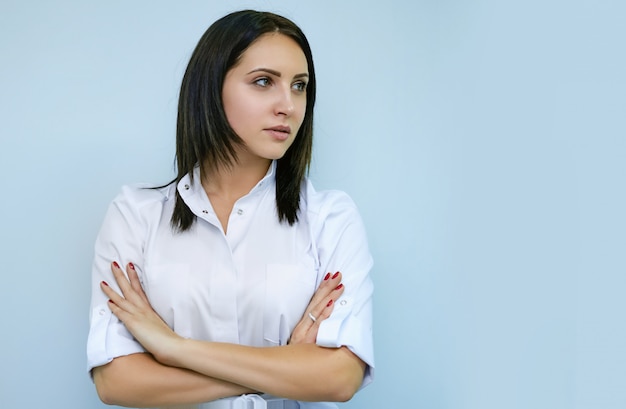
224,186
231,183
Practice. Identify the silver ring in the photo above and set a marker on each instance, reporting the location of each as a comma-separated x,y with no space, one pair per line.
312,317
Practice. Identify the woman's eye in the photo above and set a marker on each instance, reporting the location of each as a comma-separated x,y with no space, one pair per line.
299,86
262,82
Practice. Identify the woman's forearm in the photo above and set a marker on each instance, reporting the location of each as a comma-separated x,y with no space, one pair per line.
139,380
302,372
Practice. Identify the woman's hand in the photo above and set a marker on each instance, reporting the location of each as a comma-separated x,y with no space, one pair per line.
135,311
319,308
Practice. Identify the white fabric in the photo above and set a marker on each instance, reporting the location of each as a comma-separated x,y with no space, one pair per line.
250,286
250,401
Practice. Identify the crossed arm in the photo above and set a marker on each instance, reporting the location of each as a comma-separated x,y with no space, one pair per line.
179,371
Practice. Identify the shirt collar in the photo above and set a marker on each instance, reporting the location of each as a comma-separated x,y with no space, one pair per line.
187,188
268,180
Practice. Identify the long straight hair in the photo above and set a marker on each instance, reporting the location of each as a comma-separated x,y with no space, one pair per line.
203,134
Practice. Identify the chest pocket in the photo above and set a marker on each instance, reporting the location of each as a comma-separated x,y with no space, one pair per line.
167,287
288,290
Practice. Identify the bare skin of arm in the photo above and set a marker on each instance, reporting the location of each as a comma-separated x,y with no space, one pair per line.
182,371
303,371
139,380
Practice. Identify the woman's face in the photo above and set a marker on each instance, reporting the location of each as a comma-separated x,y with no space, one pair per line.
264,96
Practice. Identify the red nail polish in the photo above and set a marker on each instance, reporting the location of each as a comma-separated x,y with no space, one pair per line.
329,303
327,276
131,265
116,265
111,301
336,274
339,287
105,283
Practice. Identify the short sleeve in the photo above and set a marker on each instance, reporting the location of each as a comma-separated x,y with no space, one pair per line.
342,246
121,238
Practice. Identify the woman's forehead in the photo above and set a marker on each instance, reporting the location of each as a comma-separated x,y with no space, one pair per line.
276,51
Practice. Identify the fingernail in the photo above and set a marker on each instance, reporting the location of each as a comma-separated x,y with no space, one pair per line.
111,301
329,303
105,283
116,265
327,276
131,265
339,287
336,274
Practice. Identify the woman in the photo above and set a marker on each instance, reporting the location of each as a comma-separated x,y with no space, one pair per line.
231,290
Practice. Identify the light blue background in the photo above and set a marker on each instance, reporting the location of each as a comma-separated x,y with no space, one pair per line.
484,142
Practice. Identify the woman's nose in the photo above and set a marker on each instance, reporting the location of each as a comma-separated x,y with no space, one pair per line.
285,104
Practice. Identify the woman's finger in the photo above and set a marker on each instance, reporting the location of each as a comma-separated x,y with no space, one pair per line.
120,278
130,300
117,299
118,311
306,330
123,281
329,282
135,283
326,305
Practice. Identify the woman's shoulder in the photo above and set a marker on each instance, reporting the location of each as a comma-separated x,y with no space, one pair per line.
142,194
136,209
142,199
322,204
333,217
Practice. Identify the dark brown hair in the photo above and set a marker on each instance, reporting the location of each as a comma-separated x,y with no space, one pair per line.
203,134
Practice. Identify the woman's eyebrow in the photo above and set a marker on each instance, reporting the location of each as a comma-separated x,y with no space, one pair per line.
276,73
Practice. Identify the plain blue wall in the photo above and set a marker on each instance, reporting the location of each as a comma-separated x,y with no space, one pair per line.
484,141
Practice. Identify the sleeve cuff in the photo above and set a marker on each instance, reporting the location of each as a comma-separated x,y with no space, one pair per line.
344,329
108,338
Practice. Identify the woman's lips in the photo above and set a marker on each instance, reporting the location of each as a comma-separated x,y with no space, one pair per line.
280,132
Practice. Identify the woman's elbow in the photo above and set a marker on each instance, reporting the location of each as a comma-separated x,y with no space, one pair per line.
108,386
348,382
343,395
344,391
102,386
